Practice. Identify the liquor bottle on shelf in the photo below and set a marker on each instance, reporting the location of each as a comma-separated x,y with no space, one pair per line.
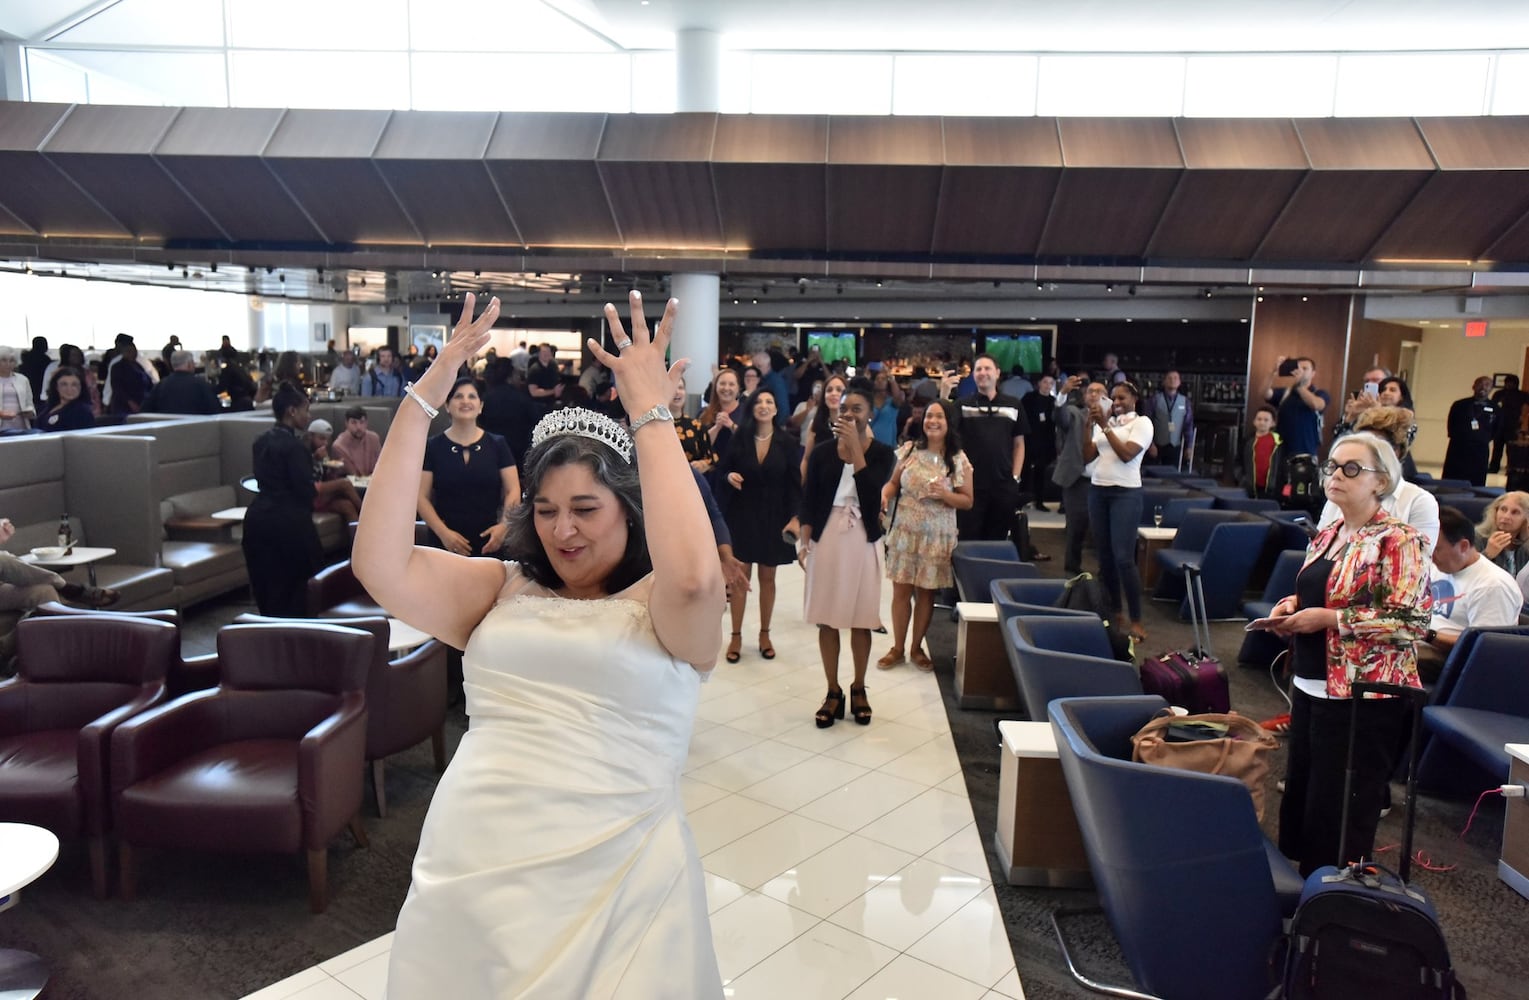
65,534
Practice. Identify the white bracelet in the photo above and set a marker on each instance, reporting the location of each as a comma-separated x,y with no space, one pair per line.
408,390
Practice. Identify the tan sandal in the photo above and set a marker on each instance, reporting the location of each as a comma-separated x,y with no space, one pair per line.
921,660
893,658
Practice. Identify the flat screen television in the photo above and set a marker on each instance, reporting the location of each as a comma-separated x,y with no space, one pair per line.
1010,349
833,346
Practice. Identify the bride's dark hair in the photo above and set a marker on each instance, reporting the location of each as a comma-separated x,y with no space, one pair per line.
610,470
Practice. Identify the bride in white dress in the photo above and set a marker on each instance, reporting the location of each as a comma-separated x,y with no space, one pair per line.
556,861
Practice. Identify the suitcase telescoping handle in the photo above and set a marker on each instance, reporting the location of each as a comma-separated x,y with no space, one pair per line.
1417,697
1198,613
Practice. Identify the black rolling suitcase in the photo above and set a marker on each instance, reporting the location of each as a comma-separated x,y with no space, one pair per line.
1361,930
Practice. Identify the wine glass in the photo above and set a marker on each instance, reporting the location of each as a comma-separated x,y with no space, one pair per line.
1157,516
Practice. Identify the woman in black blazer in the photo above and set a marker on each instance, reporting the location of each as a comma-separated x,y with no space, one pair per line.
840,529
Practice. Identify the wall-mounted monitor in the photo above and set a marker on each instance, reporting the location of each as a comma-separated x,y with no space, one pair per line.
833,346
1010,349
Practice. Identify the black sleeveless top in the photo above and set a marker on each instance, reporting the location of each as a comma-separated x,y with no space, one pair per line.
1309,651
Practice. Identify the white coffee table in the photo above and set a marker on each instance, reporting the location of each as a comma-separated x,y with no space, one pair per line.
25,853
80,555
229,514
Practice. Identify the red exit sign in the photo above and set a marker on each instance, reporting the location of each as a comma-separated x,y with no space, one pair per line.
1475,328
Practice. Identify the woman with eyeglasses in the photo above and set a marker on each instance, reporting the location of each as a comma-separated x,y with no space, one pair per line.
1408,501
1360,602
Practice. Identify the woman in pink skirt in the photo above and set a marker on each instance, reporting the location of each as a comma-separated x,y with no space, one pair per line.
839,549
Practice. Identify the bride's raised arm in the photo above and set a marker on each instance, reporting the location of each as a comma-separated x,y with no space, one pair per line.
440,593
687,596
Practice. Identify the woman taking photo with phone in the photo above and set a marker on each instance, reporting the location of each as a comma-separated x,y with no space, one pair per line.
1118,439
839,546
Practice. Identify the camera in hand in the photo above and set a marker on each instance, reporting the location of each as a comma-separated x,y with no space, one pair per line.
1288,366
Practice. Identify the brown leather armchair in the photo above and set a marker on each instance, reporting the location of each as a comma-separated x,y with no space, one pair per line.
334,592
405,698
269,760
187,673
79,679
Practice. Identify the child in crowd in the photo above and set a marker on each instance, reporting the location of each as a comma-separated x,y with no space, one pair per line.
1263,458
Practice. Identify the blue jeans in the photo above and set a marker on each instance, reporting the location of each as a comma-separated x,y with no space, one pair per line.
1114,513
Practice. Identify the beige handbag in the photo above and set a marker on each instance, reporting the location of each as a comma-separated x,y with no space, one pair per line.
1231,745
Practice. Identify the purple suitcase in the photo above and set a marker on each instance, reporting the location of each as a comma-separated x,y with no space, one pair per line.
1192,677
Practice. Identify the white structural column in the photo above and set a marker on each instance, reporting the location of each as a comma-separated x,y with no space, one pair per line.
698,84
695,329
11,76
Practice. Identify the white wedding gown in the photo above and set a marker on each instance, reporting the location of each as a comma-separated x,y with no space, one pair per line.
556,861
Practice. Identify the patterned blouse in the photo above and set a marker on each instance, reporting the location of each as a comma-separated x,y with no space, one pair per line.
694,439
1379,587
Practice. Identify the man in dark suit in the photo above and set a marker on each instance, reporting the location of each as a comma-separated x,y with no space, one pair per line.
1071,471
183,390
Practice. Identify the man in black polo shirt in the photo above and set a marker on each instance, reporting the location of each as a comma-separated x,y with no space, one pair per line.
183,390
993,429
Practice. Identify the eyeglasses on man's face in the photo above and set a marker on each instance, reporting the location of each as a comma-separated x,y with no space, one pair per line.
1351,469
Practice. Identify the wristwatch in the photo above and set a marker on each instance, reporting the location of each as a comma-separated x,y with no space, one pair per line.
659,412
1430,636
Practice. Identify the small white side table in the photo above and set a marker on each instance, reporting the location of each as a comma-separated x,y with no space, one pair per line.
25,853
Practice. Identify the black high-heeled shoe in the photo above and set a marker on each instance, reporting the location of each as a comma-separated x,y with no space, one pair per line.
833,708
735,647
859,707
766,647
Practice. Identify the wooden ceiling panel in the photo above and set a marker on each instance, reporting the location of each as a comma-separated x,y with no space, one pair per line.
783,139
346,198
910,141
1457,215
881,209
1221,214
119,131
993,210
532,136
767,206
220,132
436,135
327,134
1106,212
1513,245
1364,144
1002,142
678,138
12,226
1119,142
1240,144
451,201
135,189
1337,215
1496,143
663,204
37,193
243,198
557,202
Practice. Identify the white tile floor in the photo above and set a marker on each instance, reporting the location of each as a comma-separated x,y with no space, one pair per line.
842,863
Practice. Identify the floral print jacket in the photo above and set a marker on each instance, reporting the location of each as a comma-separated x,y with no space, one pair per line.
1379,587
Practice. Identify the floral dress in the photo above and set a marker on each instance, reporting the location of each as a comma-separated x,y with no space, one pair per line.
923,533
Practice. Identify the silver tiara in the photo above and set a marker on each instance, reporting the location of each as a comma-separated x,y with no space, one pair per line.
583,423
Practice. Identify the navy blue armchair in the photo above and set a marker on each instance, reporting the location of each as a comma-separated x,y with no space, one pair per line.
978,564
1481,704
1225,562
1260,648
1062,657
1163,845
1037,596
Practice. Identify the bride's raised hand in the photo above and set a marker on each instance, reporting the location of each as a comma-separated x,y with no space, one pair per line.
468,337
643,380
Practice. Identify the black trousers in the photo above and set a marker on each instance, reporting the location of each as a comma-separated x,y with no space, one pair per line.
1312,807
1075,503
991,518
